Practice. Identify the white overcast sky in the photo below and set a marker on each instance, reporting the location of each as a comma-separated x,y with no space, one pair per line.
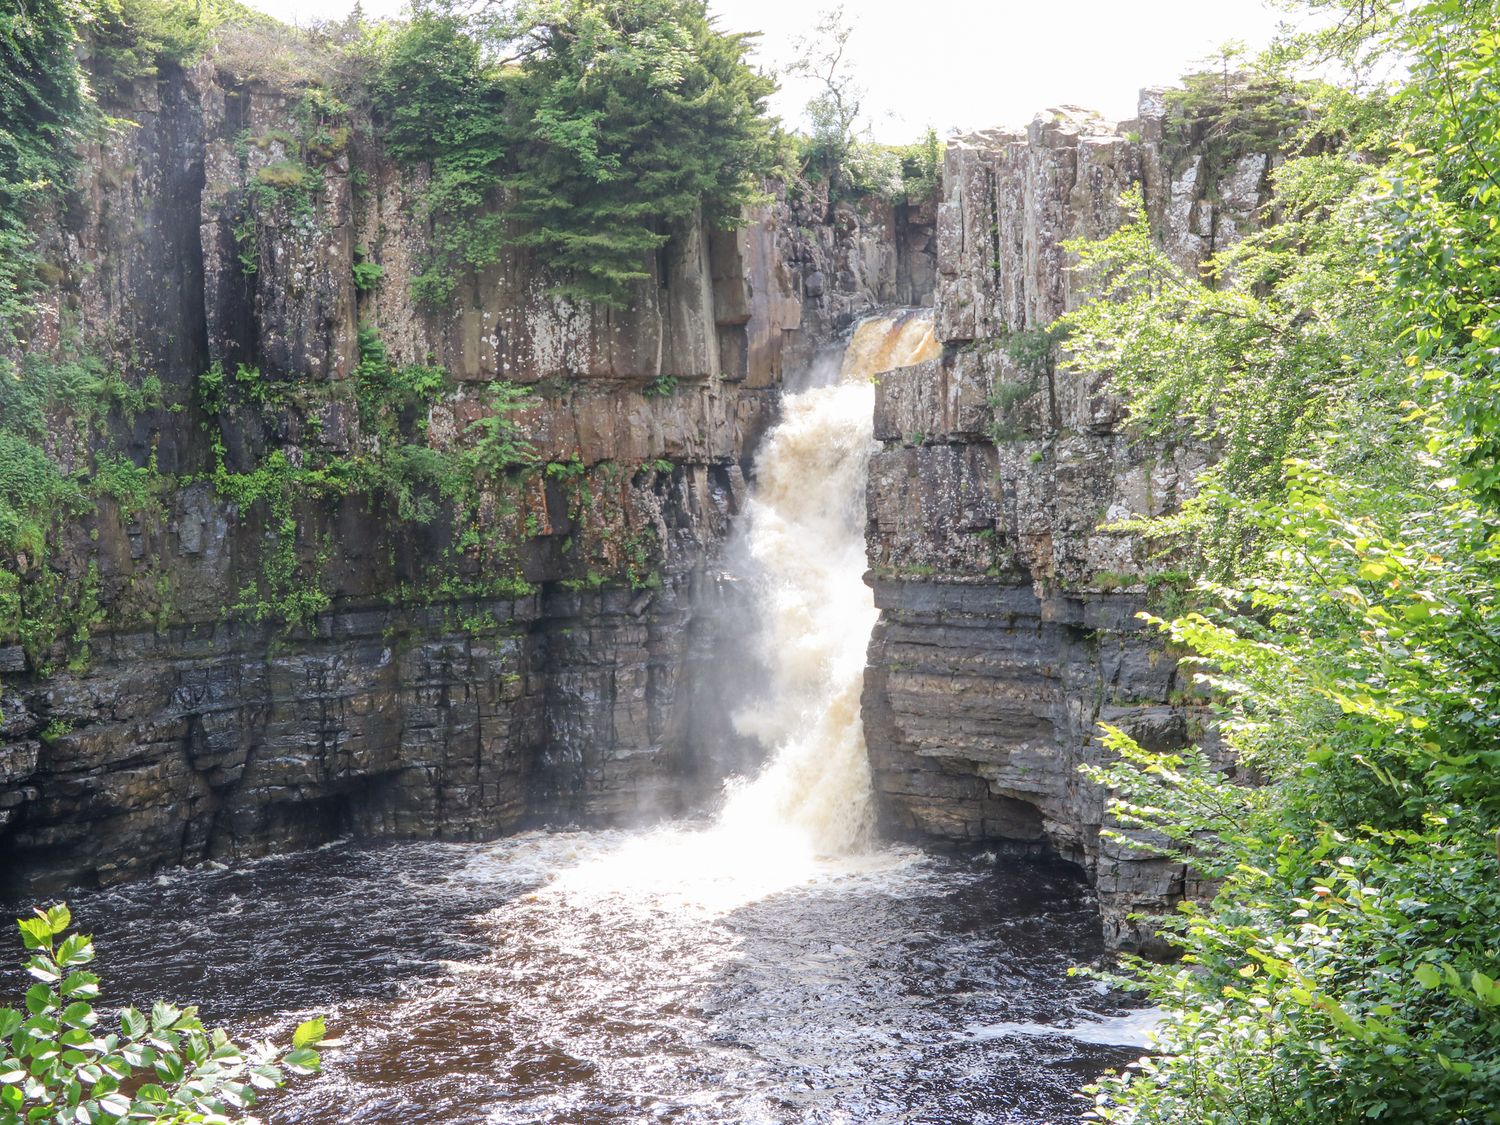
969,65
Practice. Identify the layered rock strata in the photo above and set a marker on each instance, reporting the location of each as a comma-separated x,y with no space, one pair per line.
561,689
1007,629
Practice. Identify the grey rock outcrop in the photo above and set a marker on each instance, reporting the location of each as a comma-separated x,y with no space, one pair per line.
1007,629
195,732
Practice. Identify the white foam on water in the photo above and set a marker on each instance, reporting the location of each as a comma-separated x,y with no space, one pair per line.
1133,1029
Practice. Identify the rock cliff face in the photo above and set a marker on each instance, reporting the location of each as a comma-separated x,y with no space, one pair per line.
1007,628
547,661
409,706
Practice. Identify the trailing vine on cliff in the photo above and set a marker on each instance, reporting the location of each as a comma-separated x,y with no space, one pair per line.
45,111
57,464
467,485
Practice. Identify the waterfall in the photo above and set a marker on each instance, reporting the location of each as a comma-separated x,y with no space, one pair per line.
808,812
804,534
766,966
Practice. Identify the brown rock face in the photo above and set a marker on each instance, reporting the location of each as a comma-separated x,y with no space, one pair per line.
1007,628
195,732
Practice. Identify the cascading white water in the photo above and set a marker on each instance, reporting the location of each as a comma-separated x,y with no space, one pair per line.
808,812
805,535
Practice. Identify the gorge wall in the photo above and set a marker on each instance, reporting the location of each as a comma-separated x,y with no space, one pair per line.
1007,628
538,659
280,650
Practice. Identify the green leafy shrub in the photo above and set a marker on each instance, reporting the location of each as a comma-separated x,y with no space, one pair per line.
387,392
898,173
663,386
55,729
59,1061
873,169
248,385
1342,365
33,490
211,388
1345,970
1035,350
498,441
366,273
641,550
136,488
922,167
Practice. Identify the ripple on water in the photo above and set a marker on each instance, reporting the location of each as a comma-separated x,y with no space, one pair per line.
668,975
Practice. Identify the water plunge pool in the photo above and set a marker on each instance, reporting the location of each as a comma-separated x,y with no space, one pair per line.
634,977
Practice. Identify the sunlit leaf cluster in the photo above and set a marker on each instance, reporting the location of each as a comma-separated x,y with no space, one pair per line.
64,1062
1342,368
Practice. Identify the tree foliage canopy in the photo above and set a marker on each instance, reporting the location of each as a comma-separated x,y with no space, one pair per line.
586,129
1344,365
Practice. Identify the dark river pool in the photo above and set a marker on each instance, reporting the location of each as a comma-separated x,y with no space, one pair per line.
672,975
